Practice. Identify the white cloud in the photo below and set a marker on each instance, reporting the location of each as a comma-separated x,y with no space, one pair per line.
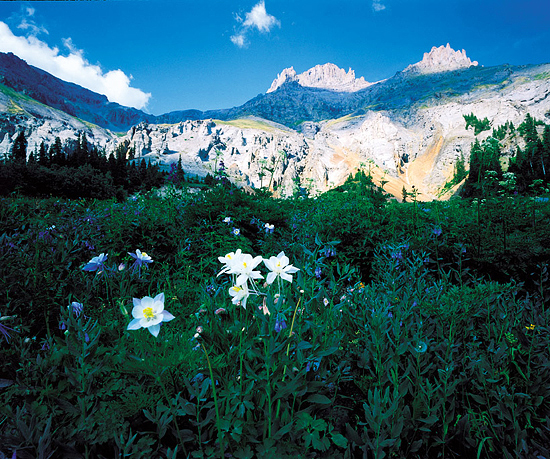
377,5
72,67
256,18
259,18
239,40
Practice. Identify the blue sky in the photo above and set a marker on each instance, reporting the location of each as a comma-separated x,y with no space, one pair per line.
169,55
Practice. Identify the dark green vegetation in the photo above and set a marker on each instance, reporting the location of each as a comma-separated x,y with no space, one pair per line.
415,330
75,170
528,168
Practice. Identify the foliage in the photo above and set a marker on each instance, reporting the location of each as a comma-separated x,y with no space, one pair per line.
410,330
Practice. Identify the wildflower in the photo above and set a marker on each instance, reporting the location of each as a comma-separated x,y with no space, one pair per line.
325,301
141,258
121,267
229,261
279,267
96,263
149,313
199,329
421,347
280,324
264,308
437,231
244,267
239,294
4,330
318,272
77,308
236,231
220,311
530,327
269,228
227,220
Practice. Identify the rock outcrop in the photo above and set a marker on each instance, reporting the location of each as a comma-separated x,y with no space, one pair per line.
442,59
327,76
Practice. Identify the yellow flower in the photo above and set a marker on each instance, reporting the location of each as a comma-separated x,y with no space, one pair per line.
530,327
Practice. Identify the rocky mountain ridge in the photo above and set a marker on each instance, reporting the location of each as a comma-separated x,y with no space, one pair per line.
408,129
328,76
442,59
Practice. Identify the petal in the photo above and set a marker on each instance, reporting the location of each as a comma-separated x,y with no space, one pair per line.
137,302
291,269
271,277
134,325
137,312
160,297
241,279
286,277
146,323
167,317
154,330
281,254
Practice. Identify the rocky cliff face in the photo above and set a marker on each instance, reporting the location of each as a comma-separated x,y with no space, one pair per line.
42,123
327,76
408,130
442,59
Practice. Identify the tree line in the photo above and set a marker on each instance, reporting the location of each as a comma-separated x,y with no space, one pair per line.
76,169
528,170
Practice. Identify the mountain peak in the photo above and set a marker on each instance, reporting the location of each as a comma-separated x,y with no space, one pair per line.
327,76
442,59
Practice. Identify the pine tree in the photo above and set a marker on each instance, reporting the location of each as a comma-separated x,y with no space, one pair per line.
19,149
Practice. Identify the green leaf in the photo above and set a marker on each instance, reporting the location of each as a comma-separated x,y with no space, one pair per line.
339,440
320,399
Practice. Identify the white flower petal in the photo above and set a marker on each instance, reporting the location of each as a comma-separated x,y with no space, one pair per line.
134,324
154,330
271,277
286,277
166,316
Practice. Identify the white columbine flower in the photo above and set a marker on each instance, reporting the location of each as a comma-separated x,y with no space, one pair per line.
244,268
229,261
279,267
149,313
239,293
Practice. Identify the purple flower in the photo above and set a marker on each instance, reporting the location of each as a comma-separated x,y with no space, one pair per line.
280,324
437,231
77,308
397,255
318,272
96,263
62,325
4,331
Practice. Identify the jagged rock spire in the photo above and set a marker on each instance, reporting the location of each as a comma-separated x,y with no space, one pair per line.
442,59
327,76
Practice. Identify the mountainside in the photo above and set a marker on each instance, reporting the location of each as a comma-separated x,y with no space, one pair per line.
67,97
311,129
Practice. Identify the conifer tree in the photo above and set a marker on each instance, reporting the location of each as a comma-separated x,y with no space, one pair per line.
19,149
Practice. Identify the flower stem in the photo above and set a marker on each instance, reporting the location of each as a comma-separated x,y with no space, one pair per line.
220,436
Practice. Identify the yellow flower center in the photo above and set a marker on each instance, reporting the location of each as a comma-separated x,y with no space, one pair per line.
148,313
143,254
244,264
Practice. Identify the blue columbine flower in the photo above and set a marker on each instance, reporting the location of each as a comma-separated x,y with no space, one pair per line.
96,263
